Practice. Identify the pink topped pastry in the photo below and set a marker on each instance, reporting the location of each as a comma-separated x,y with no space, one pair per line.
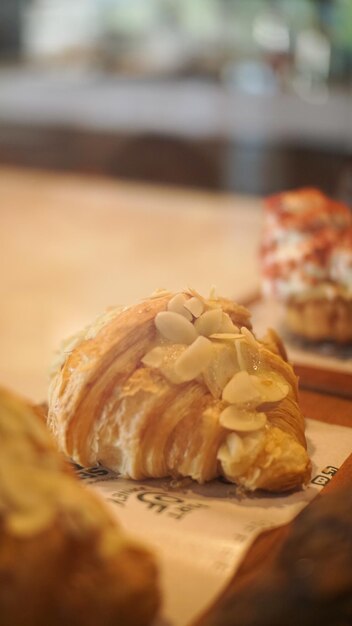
306,259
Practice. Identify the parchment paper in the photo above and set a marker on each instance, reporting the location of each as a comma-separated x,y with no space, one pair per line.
201,532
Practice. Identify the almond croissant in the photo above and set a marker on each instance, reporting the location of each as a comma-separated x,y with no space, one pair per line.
63,559
178,386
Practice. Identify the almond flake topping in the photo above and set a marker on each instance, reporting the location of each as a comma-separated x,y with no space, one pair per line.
226,336
154,358
209,322
227,325
195,306
271,386
194,359
240,420
212,293
177,305
249,336
241,390
175,327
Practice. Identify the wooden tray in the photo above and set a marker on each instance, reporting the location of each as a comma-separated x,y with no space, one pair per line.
325,381
315,372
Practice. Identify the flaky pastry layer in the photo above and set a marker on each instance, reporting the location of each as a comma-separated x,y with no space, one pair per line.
111,402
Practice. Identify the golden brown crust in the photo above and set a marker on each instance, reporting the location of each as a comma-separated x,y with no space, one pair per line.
63,558
320,319
108,406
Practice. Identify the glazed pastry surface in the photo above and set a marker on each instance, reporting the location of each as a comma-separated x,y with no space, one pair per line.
63,558
177,385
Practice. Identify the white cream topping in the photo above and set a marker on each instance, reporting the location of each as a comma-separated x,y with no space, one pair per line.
341,267
289,264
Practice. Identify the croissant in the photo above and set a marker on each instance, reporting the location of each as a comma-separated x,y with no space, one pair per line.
63,559
178,386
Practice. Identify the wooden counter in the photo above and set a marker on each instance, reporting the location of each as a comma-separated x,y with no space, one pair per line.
73,245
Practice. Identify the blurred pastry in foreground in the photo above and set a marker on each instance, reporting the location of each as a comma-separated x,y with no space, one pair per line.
306,261
63,559
178,386
309,579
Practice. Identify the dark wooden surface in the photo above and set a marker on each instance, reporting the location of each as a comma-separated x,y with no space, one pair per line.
333,409
325,381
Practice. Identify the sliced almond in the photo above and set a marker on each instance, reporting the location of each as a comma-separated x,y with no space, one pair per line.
250,337
175,327
271,386
232,450
221,368
225,336
212,292
227,325
177,305
154,358
193,292
209,322
164,358
248,356
171,353
195,306
194,359
241,390
241,420
241,361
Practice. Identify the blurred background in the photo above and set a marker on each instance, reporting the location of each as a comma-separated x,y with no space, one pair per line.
250,96
223,100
